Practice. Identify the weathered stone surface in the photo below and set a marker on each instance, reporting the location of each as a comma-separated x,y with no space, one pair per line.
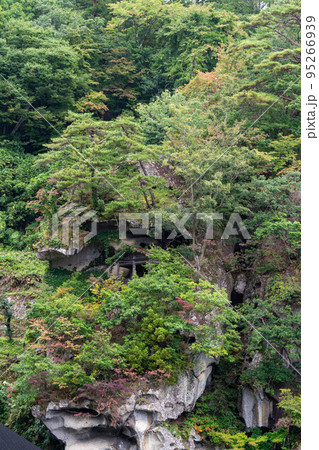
139,416
160,438
225,280
103,443
169,402
240,284
71,259
256,286
83,431
156,169
19,305
295,197
52,253
256,407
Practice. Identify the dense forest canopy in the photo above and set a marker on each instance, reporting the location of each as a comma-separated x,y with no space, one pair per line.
207,93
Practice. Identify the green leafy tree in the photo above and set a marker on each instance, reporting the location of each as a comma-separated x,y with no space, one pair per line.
99,355
47,72
101,165
19,183
291,404
278,322
272,71
168,42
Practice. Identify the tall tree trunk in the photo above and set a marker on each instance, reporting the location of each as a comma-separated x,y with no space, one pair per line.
150,189
95,3
93,189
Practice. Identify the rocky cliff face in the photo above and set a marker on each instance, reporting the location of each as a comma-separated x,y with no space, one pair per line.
144,413
81,428
256,408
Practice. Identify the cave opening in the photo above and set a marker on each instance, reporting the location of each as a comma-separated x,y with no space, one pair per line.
141,270
238,248
236,298
78,411
129,273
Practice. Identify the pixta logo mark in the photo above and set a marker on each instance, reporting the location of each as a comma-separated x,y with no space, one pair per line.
66,225
139,224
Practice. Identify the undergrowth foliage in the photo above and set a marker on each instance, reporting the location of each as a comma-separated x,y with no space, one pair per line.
139,326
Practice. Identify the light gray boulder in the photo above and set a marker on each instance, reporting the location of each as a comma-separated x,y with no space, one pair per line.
256,407
240,284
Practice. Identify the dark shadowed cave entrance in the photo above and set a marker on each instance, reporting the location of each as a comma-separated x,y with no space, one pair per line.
236,298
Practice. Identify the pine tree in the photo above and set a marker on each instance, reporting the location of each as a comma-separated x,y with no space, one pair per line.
101,164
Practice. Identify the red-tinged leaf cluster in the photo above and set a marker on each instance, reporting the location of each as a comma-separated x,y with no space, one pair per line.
44,387
185,305
61,342
203,84
188,313
106,396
